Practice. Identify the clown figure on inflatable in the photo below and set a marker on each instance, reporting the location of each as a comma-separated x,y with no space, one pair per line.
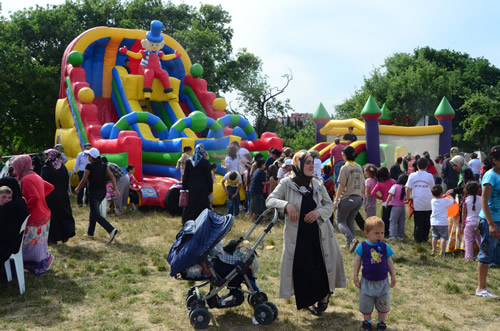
150,65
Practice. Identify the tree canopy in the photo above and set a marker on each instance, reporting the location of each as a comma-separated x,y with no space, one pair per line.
33,42
412,85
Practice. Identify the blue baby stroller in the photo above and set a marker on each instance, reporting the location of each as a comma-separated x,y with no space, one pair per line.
193,257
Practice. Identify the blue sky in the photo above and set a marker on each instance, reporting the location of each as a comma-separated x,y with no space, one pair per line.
331,45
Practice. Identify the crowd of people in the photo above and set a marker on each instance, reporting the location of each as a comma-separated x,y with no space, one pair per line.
312,265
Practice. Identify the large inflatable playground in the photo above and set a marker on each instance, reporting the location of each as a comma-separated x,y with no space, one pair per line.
146,117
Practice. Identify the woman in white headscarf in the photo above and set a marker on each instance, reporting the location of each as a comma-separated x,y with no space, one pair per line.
311,263
198,180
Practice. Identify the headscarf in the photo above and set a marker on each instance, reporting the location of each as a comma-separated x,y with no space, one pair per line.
454,149
22,166
302,181
54,158
198,154
459,161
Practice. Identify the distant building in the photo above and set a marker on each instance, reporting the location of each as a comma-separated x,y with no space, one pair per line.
294,118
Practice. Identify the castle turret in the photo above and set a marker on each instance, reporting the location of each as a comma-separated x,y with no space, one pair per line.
320,118
444,114
371,113
386,118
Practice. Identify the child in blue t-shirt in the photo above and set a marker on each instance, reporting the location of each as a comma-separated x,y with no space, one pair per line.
375,255
259,179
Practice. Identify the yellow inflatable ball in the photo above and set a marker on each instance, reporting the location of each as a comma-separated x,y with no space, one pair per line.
86,95
219,104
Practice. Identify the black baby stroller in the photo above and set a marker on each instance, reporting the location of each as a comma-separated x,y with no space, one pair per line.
192,257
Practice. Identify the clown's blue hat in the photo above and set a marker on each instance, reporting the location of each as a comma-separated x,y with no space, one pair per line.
155,35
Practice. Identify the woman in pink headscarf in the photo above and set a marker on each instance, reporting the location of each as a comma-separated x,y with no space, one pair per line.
36,257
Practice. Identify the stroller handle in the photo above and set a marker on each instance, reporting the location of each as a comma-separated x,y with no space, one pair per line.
260,219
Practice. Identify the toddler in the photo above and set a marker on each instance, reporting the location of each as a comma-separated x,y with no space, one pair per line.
439,219
5,195
384,183
370,203
470,213
375,255
396,199
133,189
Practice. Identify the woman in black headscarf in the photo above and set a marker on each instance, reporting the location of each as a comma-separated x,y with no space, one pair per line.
198,180
12,216
62,223
311,265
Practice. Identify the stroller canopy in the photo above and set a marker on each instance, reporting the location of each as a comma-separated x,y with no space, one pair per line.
196,240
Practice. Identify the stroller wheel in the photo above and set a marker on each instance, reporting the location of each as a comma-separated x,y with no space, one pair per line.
257,298
273,308
190,300
263,314
199,318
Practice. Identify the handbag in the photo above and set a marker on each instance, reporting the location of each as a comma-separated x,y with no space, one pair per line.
183,198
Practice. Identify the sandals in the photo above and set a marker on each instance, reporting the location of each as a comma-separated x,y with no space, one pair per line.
315,311
323,306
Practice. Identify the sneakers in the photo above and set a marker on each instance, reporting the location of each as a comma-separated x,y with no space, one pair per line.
49,263
366,326
392,238
353,245
381,326
434,252
401,238
112,235
485,293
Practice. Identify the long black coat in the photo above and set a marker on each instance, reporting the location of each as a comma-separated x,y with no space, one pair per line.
198,180
12,216
62,223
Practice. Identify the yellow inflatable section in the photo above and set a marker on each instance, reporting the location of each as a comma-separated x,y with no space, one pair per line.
335,127
220,197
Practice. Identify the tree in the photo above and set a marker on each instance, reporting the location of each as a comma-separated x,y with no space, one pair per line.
33,41
255,96
298,138
412,86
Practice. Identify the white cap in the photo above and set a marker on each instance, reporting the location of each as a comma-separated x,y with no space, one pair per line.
94,152
288,162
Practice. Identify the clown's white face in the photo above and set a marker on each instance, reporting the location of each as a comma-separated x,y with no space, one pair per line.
151,46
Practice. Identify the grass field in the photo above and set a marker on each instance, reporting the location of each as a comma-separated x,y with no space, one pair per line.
93,285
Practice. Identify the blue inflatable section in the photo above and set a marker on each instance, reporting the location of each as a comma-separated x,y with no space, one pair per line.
196,240
161,170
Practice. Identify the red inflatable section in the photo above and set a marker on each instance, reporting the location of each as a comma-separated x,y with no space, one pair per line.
360,148
205,97
154,189
266,141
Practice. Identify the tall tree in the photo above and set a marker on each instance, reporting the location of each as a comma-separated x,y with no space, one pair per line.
412,86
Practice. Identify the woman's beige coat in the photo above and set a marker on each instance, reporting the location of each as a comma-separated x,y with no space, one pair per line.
286,193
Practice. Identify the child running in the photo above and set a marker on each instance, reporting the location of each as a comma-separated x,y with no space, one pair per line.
396,199
375,255
384,183
470,215
370,203
439,219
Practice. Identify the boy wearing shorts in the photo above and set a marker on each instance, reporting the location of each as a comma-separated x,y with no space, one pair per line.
439,219
375,256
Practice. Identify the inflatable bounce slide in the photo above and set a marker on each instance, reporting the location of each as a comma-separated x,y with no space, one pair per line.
146,113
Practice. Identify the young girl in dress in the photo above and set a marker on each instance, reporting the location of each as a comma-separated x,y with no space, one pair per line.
396,199
370,203
381,192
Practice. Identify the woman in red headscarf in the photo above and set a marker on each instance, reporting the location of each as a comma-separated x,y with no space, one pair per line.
311,265
36,257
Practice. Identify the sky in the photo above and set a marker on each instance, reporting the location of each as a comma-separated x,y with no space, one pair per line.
331,45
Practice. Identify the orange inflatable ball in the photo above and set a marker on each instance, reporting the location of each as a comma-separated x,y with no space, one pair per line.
86,95
219,104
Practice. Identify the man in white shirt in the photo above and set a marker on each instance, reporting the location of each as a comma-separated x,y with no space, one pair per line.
419,187
81,162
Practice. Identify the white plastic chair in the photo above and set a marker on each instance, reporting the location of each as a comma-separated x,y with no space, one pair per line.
18,261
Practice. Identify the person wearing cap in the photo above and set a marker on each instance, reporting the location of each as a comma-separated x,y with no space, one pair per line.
81,162
95,173
285,169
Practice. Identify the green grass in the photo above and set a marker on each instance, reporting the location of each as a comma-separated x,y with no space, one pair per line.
126,285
